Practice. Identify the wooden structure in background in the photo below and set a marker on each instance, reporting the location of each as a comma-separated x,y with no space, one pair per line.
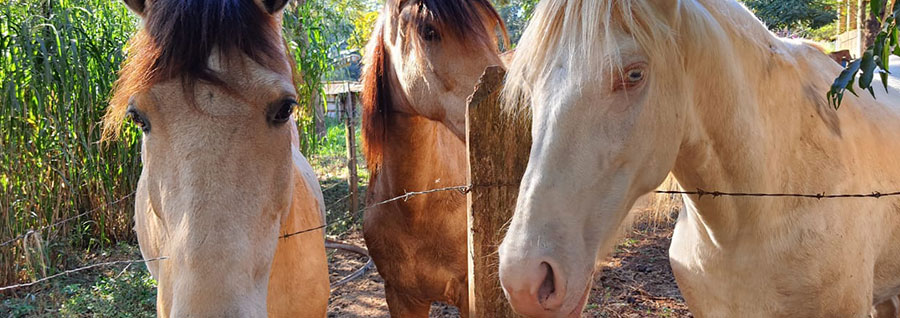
336,95
498,148
853,20
850,26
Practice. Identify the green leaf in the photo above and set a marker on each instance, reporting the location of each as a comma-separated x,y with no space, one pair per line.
894,37
867,67
844,81
882,50
850,87
876,7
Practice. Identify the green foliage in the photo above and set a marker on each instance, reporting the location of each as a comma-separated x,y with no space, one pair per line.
363,23
516,14
335,142
303,30
317,32
794,14
58,61
360,15
117,293
876,56
132,294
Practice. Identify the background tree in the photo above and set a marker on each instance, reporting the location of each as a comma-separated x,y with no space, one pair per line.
805,18
794,13
516,14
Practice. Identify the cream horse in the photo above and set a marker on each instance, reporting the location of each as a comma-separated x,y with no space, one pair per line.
223,182
624,91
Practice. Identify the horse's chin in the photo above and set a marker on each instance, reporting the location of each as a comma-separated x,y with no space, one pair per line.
576,312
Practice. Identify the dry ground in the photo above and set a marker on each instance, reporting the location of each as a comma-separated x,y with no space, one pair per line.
636,280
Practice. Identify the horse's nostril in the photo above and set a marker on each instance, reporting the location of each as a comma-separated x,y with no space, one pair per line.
548,286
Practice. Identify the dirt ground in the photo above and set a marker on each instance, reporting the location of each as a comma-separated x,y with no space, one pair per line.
636,281
364,297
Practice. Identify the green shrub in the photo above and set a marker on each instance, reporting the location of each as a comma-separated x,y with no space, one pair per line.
129,295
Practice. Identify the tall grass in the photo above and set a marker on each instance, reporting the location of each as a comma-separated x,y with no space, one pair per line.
58,60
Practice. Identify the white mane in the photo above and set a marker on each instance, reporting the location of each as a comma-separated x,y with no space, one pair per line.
577,34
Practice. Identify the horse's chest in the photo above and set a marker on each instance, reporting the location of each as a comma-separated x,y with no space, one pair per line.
768,278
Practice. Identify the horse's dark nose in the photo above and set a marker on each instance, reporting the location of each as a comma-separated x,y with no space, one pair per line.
534,290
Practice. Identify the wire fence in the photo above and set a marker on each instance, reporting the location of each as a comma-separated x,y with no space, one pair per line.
80,269
700,193
462,189
63,221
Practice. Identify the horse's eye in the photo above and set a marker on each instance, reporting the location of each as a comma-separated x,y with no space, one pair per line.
429,33
135,117
635,75
282,111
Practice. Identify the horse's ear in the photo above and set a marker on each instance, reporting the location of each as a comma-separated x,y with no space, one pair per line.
272,6
136,6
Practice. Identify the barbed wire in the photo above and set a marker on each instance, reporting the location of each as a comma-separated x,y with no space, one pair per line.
71,271
405,197
468,188
700,193
68,219
463,189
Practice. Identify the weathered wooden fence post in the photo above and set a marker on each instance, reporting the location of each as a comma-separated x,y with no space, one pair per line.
498,147
353,180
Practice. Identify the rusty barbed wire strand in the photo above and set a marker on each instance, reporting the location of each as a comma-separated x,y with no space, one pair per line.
463,189
84,268
68,219
405,197
700,193
467,188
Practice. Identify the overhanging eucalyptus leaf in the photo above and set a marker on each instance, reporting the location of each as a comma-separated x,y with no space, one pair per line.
867,69
844,81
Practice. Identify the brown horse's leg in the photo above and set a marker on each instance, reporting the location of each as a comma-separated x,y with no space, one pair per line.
463,306
404,305
457,291
888,309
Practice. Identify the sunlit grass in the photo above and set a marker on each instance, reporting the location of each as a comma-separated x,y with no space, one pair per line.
58,60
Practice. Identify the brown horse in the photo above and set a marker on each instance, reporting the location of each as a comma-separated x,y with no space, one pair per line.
223,182
423,61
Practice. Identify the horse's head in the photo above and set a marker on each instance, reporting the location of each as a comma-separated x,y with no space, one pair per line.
211,86
424,59
608,121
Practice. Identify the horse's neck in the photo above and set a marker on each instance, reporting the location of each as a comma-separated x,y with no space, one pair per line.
419,154
760,123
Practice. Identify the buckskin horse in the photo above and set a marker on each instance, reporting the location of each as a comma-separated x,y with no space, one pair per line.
223,182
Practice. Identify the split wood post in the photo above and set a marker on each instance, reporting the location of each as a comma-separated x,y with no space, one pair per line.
353,179
498,147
